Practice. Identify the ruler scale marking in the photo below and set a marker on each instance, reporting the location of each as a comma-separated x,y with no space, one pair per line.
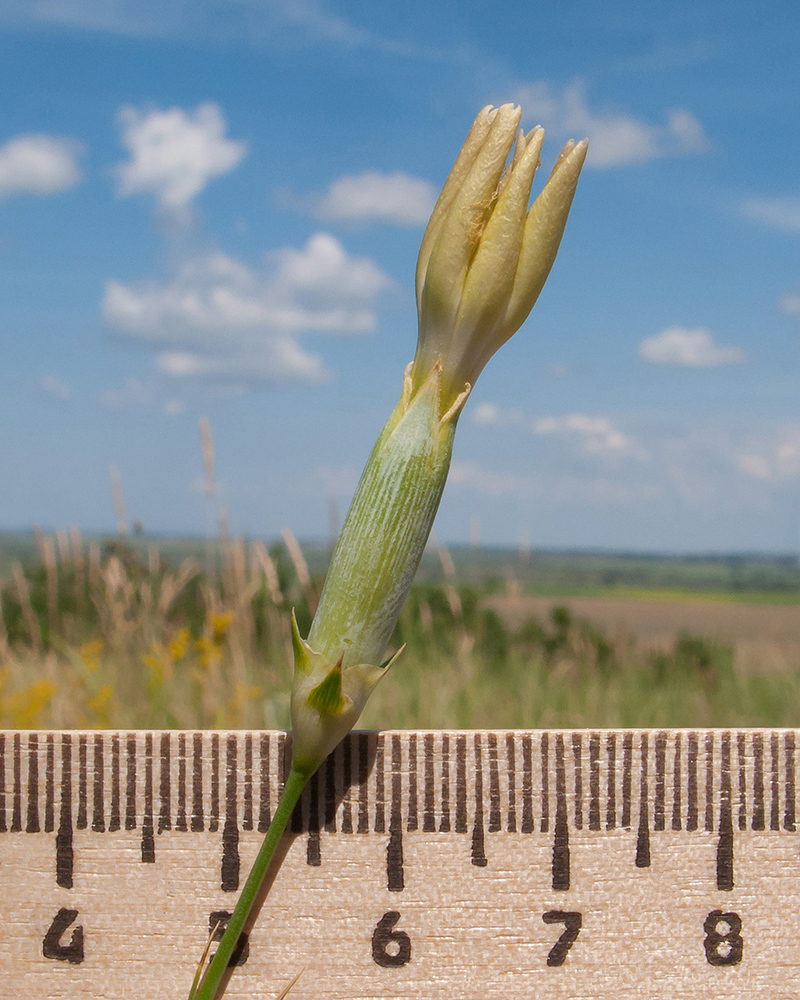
594,781
774,813
64,854
213,820
3,825
247,811
544,753
725,844
395,876
313,847
50,786
347,780
511,762
429,816
741,750
709,810
561,858
478,842
16,814
659,820
98,786
789,813
164,784
461,783
691,783
676,783
148,839
130,782
363,782
706,783
115,817
611,790
83,766
380,817
444,822
577,753
527,785
230,832
758,782
32,818
627,779
643,833
181,819
413,819
494,784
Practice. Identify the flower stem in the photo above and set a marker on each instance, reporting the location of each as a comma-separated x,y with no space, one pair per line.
295,783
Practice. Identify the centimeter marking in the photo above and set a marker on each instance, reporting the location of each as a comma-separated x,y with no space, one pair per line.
474,783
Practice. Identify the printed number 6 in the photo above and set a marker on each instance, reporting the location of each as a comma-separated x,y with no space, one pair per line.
390,948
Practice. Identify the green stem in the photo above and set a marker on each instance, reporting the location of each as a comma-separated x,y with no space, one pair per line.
295,784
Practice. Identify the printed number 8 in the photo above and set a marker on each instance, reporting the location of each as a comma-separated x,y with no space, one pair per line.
723,949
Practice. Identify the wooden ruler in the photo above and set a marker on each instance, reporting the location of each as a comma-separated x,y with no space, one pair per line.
550,865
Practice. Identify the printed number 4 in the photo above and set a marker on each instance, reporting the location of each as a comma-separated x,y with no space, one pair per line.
572,922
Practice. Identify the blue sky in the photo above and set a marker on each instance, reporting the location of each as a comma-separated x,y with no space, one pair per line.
214,209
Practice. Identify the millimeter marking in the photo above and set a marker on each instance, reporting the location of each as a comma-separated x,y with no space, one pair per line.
526,783
567,865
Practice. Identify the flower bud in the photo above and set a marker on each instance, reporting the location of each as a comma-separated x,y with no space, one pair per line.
483,261
485,255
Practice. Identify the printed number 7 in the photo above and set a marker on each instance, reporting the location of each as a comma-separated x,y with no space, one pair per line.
572,925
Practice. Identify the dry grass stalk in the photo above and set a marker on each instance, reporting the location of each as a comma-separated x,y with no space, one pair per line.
51,571
38,534
207,444
94,566
300,567
153,560
449,570
64,553
118,500
78,564
171,586
3,632
24,597
260,552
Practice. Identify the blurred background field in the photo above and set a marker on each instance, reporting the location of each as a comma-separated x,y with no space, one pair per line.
171,632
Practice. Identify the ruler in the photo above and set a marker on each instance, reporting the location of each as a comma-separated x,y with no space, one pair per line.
548,865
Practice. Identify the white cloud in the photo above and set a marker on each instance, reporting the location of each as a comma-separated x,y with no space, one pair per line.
133,394
489,482
39,164
371,197
689,349
790,303
596,435
175,153
56,387
774,458
220,318
616,139
137,395
777,213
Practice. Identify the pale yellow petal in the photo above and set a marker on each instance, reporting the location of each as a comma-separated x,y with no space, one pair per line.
463,164
544,228
491,275
458,239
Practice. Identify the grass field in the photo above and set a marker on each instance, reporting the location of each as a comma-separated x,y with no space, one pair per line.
171,635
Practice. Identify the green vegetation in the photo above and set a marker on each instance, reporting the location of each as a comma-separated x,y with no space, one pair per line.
118,636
